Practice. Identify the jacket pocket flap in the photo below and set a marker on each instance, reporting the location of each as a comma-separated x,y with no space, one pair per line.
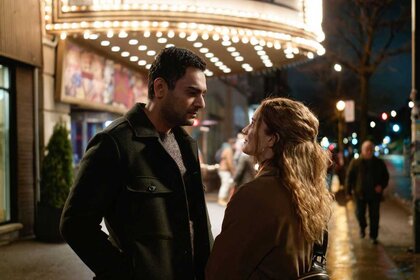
151,185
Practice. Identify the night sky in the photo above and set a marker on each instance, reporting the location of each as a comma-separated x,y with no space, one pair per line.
390,85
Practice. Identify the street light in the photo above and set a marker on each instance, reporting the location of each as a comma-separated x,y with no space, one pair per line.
393,113
411,104
341,105
337,67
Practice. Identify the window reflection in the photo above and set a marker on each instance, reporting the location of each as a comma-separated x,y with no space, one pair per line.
4,146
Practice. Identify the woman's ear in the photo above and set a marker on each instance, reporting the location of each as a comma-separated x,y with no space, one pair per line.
273,139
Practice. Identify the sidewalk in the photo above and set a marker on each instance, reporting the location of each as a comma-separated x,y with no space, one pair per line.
34,260
349,257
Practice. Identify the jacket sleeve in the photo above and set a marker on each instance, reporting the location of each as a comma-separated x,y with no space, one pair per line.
384,178
96,186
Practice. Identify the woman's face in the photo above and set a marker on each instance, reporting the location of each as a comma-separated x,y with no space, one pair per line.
254,135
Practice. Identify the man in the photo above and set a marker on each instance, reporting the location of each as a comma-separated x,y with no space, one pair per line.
367,177
142,175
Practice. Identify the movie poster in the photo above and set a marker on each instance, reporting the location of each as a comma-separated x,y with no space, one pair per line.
93,81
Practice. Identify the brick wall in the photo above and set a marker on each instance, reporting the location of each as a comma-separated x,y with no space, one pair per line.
25,149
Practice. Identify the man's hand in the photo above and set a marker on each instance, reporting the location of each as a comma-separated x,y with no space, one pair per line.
378,189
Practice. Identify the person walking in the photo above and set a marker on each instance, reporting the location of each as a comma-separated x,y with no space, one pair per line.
142,176
244,165
226,171
367,177
273,221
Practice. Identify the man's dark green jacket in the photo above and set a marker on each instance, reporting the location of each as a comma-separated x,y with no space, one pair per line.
128,178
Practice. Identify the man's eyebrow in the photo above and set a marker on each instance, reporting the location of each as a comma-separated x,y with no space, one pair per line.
195,89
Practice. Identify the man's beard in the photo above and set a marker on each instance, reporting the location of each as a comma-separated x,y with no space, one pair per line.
175,119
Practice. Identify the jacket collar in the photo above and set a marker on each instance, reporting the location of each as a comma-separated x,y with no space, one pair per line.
139,122
268,171
143,127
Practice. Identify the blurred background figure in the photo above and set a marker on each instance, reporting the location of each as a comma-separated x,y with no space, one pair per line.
340,167
226,170
331,169
337,168
244,165
367,177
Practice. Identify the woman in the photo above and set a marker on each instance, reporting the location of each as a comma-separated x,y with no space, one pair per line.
272,222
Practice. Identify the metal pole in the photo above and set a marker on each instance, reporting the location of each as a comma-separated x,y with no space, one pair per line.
415,136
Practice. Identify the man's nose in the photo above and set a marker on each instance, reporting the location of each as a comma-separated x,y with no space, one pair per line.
199,102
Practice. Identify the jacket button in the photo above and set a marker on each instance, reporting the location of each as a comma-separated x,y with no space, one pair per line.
151,188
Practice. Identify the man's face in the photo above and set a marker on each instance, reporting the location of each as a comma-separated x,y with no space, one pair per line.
367,150
180,106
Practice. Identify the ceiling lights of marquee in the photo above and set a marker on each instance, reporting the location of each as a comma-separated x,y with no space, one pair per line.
253,40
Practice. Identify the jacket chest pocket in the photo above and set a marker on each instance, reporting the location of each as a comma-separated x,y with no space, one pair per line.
152,186
149,207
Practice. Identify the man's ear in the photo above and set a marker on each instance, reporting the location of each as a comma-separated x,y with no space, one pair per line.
160,87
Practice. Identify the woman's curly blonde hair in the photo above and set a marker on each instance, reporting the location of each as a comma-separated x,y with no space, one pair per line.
301,161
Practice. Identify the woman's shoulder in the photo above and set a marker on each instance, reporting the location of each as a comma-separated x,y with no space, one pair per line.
264,190
265,183
261,181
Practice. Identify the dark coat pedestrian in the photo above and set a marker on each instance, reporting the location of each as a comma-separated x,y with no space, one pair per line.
367,177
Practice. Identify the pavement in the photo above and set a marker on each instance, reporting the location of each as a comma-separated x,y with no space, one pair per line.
351,257
348,257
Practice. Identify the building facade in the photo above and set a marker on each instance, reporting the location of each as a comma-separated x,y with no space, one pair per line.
20,68
85,63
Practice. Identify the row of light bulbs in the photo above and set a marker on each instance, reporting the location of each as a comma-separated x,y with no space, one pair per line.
206,31
271,39
289,50
175,7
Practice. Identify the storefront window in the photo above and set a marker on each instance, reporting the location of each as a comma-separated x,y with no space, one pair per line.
82,132
4,145
84,125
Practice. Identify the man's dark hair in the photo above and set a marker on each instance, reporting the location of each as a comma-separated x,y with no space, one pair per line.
171,65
